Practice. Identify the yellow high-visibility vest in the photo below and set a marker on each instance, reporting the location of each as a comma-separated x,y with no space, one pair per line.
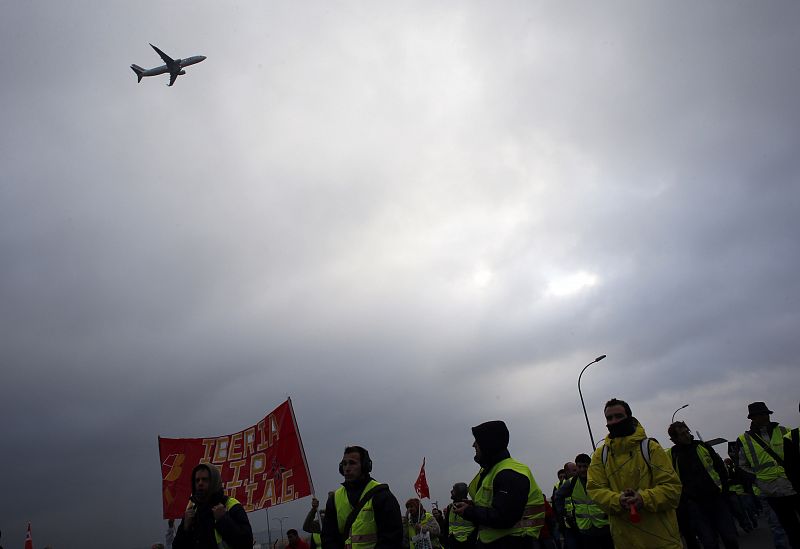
532,518
459,527
762,464
364,532
587,513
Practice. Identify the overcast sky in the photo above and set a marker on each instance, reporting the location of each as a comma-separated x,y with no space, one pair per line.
412,217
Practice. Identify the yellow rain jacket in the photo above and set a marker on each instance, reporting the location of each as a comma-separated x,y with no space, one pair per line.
657,483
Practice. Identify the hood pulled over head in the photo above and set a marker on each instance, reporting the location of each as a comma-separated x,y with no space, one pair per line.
492,439
215,493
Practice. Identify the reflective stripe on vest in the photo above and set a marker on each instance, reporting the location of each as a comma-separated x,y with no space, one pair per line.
533,515
426,518
737,489
364,532
587,513
459,527
569,505
217,536
762,464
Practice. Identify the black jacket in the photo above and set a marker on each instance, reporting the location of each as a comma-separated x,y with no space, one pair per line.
234,527
791,458
387,517
697,484
510,492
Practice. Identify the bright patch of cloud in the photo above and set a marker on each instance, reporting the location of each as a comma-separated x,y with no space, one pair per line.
571,284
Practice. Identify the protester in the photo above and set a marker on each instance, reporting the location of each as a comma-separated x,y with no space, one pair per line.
546,539
558,519
791,456
312,525
761,455
417,521
631,478
458,532
588,523
507,504
738,498
565,513
169,535
705,488
295,541
437,514
211,517
362,513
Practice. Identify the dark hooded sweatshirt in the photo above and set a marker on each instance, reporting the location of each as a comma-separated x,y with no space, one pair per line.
234,527
510,493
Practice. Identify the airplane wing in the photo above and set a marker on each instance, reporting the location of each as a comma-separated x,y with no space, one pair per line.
172,77
167,59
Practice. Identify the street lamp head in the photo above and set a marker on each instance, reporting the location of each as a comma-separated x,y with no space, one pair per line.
601,357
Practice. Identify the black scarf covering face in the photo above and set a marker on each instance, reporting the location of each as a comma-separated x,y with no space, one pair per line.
624,428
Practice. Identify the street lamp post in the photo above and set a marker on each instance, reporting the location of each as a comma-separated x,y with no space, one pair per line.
281,519
676,411
598,359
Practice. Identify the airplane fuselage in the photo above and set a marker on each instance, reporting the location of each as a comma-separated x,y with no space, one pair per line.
183,62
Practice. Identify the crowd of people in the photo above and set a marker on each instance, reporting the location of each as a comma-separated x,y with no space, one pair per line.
630,494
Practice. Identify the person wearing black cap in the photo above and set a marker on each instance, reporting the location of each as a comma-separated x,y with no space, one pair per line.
362,513
507,505
761,455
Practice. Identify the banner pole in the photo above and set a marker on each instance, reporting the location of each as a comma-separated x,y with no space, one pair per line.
302,448
305,460
269,534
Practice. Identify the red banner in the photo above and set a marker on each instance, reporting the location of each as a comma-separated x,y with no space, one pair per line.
261,466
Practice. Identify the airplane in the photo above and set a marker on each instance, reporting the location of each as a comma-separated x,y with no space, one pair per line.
173,66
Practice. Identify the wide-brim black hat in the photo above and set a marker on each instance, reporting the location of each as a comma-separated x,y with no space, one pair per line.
757,409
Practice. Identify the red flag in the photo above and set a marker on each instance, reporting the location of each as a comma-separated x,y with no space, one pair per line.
261,466
28,538
421,485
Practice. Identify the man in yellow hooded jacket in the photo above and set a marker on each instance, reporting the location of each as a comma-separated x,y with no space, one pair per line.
632,479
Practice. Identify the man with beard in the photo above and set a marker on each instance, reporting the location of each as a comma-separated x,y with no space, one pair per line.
632,480
507,504
705,488
362,513
458,532
212,518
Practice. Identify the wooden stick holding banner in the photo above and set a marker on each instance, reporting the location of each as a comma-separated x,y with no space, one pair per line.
305,460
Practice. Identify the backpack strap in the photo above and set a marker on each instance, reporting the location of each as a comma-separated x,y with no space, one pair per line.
364,500
644,446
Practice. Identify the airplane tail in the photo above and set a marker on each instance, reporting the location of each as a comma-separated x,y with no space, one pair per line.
139,71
